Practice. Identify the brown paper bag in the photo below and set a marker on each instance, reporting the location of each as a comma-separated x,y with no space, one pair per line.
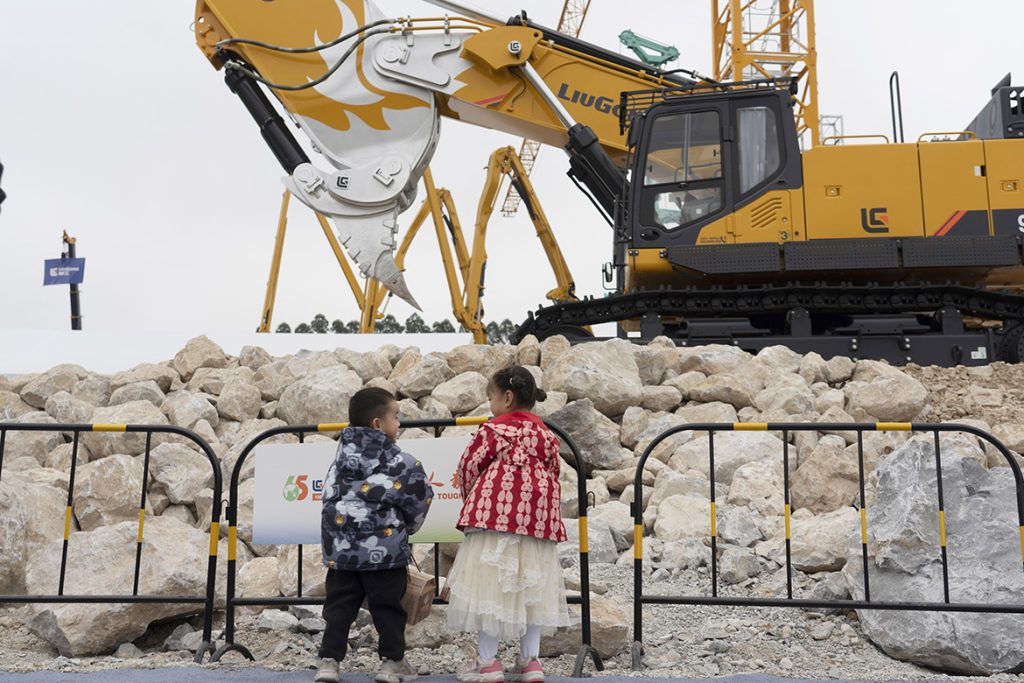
419,596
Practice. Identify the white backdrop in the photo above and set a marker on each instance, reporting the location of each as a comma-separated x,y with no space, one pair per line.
290,480
26,351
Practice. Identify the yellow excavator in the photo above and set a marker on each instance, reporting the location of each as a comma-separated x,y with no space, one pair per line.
722,230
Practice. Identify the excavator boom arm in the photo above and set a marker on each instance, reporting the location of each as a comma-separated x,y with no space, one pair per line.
368,91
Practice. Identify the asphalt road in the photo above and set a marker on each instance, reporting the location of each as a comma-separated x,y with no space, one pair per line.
189,674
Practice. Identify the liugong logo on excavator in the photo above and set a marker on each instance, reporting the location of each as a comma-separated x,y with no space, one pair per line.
875,220
605,105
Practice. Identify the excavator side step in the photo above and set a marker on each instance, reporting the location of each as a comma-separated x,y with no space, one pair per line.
899,340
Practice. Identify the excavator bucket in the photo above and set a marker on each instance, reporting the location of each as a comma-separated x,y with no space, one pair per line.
376,135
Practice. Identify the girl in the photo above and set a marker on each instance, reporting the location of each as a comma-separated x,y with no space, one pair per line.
507,581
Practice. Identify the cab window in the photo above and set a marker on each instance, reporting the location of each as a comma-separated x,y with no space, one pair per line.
759,157
684,154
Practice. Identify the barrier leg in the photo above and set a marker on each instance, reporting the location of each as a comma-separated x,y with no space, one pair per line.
586,649
229,644
211,587
636,654
231,647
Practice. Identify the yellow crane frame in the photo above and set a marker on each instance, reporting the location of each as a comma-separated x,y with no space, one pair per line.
748,43
465,270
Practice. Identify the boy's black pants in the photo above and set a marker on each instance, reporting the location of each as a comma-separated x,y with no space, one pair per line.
383,590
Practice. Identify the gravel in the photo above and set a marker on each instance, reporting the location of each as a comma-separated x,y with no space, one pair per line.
682,641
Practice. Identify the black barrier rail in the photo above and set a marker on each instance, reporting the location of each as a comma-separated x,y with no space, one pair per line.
207,600
639,599
229,645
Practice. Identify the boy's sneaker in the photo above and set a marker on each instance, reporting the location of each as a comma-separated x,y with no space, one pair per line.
392,671
327,671
528,672
479,672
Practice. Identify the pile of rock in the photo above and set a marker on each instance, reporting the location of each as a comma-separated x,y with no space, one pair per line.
613,398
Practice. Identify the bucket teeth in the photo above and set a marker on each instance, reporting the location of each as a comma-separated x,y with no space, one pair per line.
386,270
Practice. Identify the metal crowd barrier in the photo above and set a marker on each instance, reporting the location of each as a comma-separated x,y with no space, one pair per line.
639,599
229,645
206,600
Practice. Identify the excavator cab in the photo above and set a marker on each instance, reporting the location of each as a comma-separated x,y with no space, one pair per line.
701,153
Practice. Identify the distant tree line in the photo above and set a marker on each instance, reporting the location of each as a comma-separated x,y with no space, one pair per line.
497,332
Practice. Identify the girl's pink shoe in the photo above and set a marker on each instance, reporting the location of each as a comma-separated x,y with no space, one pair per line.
528,672
479,672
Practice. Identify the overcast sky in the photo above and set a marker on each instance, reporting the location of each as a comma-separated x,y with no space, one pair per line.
114,127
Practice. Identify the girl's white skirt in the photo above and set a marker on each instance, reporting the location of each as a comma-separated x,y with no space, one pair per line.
501,583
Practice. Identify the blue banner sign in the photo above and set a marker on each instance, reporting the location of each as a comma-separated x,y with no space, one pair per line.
64,271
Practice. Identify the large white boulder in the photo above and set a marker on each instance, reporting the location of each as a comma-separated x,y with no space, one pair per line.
102,444
828,477
199,352
893,397
93,390
239,400
32,444
595,435
254,357
66,409
732,451
186,408
819,542
609,630
604,372
101,562
682,517
462,393
903,551
758,485
108,491
60,378
319,398
147,390
31,515
313,571
11,406
419,379
712,359
369,365
163,375
181,472
483,358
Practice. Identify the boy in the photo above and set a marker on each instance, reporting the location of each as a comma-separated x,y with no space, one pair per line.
375,496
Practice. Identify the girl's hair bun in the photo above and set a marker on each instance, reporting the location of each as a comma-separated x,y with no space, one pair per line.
521,383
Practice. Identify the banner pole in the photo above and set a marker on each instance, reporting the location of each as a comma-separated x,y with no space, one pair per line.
76,311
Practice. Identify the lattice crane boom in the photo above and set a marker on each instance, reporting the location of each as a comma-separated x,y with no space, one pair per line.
767,39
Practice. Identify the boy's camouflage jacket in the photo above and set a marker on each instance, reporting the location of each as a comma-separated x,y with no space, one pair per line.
375,496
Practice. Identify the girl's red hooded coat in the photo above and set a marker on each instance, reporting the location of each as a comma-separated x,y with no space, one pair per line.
509,478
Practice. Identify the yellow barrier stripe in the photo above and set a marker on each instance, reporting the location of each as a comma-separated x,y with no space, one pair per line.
787,522
942,528
714,522
214,537
109,428
67,523
863,526
331,426
893,426
750,426
470,421
232,540
584,545
638,541
142,521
